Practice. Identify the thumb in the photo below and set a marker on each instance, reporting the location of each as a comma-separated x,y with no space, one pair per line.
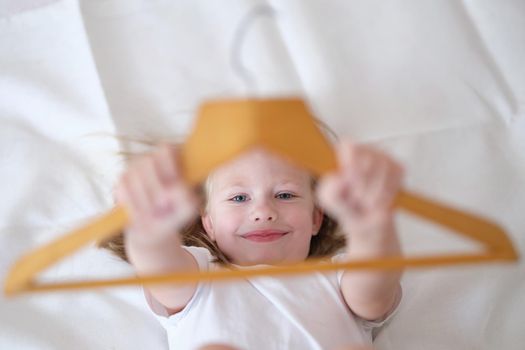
186,205
332,195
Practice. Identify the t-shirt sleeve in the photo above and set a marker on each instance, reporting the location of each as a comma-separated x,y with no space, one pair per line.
201,255
203,258
370,324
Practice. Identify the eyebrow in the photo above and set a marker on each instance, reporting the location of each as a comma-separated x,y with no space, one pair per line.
242,183
288,182
236,182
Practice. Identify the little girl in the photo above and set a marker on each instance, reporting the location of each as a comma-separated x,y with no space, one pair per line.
260,209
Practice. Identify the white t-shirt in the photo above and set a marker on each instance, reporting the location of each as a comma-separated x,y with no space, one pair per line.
297,312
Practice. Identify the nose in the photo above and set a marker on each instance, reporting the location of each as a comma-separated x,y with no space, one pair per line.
263,211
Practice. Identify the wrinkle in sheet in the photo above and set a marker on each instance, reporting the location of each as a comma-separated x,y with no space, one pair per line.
491,59
13,7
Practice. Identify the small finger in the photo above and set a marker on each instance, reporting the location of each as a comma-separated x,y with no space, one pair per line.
345,153
166,162
392,185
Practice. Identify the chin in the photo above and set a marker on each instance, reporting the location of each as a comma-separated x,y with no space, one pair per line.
259,260
268,256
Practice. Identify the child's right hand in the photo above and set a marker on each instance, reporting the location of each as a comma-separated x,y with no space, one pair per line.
154,193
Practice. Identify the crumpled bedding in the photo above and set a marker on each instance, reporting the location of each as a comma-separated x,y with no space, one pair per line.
440,85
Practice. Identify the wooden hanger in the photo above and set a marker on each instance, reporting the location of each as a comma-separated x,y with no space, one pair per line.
225,129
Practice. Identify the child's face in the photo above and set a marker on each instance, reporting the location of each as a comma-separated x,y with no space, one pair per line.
260,210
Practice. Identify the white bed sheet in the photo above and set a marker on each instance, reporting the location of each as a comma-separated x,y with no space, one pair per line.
438,84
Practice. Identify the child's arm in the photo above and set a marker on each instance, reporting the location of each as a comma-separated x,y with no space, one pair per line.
360,196
159,204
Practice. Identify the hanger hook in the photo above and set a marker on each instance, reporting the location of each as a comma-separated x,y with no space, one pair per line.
236,62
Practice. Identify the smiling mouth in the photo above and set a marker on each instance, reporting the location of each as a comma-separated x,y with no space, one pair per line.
264,235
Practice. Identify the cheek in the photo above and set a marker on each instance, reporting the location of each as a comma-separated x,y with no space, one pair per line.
300,216
227,220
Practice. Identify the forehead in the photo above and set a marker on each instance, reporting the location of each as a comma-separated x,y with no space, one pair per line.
259,165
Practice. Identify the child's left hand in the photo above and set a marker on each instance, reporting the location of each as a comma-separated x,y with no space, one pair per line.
360,194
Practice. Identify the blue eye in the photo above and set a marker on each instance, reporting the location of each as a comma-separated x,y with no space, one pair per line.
239,198
285,195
